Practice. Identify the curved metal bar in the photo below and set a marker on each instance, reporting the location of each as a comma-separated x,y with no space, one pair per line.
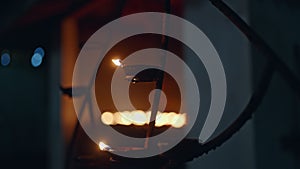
246,115
274,64
260,44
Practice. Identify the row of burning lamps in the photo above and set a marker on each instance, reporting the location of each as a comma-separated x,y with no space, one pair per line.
139,117
36,58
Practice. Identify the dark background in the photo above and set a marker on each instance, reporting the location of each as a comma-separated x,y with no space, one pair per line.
36,121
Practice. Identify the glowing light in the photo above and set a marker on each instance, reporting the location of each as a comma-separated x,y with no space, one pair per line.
5,59
172,116
117,62
107,118
148,115
140,118
161,119
179,121
40,51
104,147
122,118
125,118
117,118
36,60
37,57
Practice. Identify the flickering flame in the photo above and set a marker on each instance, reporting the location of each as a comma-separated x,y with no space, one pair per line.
117,62
140,118
104,147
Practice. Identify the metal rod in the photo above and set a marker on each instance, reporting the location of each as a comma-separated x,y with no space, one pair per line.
159,81
246,114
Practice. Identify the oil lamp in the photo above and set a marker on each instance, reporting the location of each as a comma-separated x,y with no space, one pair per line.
117,62
187,149
140,118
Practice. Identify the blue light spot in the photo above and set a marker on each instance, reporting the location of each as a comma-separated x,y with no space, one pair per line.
40,51
36,60
5,59
37,57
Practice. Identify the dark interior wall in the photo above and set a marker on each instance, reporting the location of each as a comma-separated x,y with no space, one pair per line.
234,51
24,103
277,119
23,114
29,96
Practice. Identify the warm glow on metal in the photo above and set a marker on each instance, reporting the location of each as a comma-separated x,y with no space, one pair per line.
104,147
140,118
117,62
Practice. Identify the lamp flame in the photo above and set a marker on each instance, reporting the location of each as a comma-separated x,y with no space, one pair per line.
117,62
104,147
